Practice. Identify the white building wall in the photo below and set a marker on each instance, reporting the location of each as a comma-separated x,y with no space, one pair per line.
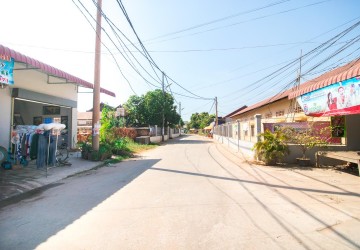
37,81
5,116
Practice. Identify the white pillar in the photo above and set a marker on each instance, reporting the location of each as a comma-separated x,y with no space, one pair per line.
258,126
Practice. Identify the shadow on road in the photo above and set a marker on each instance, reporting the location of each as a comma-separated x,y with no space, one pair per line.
259,183
53,208
189,139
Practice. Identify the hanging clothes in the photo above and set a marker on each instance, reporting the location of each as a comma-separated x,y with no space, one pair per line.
41,152
34,146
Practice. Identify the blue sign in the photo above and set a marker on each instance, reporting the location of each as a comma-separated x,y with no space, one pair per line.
6,70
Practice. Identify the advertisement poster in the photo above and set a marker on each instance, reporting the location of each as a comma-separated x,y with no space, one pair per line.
6,70
341,98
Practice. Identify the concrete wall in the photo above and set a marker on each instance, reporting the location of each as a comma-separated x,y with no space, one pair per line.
155,139
243,123
244,148
247,119
174,135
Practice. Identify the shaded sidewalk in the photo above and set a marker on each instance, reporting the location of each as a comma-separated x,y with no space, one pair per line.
15,182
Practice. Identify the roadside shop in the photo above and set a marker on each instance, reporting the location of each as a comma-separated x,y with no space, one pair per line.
34,93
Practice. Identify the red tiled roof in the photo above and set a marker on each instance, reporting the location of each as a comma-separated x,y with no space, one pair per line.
18,57
235,111
264,102
345,72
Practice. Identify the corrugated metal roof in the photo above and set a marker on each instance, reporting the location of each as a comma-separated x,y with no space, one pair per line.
18,57
345,72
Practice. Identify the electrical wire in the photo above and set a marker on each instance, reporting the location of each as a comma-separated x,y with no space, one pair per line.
151,61
218,20
113,26
117,64
237,23
319,49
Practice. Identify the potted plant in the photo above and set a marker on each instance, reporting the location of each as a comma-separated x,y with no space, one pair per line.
307,139
85,148
272,147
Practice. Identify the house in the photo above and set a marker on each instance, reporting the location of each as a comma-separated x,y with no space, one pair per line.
308,102
84,119
33,92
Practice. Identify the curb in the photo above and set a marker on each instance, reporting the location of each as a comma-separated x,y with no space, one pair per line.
20,196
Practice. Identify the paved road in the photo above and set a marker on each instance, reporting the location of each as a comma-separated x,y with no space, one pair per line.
189,194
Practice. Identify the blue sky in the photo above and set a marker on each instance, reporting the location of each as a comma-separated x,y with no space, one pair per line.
210,48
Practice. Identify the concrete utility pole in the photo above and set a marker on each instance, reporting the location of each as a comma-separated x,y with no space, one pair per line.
216,113
96,93
180,117
163,111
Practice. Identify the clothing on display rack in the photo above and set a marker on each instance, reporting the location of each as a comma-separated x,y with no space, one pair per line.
36,142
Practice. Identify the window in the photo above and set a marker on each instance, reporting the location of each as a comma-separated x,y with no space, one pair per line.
268,115
279,113
252,129
298,109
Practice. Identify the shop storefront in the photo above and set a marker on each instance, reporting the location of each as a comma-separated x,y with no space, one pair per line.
33,93
336,95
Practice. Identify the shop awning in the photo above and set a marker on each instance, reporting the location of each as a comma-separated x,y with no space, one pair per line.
18,57
210,127
345,72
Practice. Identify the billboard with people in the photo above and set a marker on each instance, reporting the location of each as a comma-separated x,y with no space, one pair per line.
341,98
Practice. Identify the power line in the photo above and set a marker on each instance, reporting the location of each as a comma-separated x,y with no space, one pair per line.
117,64
218,20
151,61
320,49
113,26
237,23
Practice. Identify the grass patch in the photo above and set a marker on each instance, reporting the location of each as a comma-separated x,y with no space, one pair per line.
132,148
116,159
137,148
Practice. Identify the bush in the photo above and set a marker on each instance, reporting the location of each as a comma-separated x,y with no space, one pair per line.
88,153
120,146
308,138
124,132
272,148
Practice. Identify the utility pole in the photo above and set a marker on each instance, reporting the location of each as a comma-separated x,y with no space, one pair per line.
96,93
216,112
180,117
163,111
299,79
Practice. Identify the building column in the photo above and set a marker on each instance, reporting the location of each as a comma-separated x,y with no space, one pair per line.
238,134
257,126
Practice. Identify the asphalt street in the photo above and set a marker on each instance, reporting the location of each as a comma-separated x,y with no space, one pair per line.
189,193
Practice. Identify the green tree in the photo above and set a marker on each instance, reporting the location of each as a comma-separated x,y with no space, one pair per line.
135,108
200,120
148,109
